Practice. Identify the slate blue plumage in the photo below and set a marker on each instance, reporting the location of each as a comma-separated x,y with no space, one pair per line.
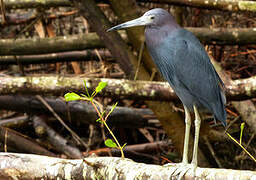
184,63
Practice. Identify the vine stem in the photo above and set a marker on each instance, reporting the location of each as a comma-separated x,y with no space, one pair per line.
104,122
249,154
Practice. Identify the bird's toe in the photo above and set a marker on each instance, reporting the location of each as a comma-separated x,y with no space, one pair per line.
181,169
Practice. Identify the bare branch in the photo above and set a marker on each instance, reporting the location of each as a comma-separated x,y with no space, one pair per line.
218,36
27,166
21,4
224,5
131,117
145,90
55,57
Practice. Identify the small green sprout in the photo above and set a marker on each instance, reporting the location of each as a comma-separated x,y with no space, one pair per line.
102,118
241,133
110,143
72,97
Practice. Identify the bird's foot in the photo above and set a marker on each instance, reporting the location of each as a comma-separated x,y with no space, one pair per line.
182,168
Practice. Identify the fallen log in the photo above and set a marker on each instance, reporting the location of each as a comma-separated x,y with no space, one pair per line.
28,166
87,55
21,143
55,139
237,90
218,36
21,4
80,112
224,5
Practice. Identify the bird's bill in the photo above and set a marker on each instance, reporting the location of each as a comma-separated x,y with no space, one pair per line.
141,21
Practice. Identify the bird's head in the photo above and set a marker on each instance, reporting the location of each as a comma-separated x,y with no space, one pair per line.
153,18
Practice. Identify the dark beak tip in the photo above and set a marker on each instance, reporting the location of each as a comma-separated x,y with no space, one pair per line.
110,29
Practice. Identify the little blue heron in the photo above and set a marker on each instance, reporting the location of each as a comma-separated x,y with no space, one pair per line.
184,63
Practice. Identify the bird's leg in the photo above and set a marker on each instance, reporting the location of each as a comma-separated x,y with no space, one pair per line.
197,130
183,167
187,133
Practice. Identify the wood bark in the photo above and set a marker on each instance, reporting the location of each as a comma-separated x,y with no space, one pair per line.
16,122
151,148
224,5
29,16
225,36
55,139
49,45
131,117
28,166
218,36
99,23
13,139
21,4
87,55
236,90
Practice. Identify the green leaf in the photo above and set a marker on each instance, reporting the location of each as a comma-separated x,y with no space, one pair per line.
71,96
101,86
86,89
241,133
113,107
99,120
110,143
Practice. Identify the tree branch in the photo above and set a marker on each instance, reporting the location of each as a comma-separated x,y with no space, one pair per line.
28,166
220,36
21,143
145,90
131,117
224,5
87,55
21,4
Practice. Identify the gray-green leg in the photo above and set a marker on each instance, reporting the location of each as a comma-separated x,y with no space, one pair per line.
183,167
187,133
197,130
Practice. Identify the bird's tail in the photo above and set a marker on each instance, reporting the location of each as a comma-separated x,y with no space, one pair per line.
219,110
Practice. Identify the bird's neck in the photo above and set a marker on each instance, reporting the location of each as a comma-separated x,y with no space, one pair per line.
155,35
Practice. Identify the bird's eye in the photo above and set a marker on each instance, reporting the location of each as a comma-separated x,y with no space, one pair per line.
152,17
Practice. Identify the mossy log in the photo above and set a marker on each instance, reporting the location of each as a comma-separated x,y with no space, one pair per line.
240,89
218,36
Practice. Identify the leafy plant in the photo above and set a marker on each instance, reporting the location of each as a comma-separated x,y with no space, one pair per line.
102,117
